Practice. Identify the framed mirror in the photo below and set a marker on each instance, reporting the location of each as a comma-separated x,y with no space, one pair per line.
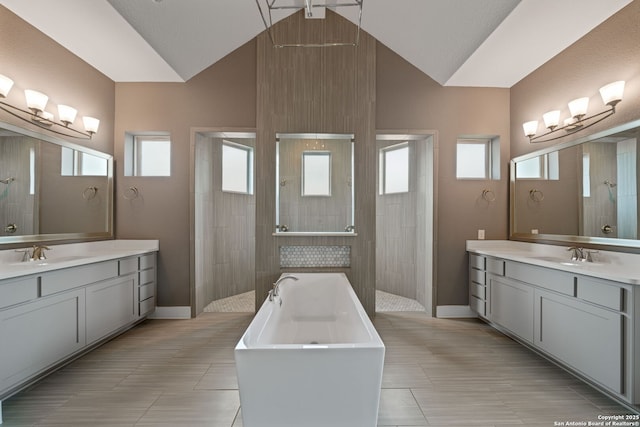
52,190
580,192
314,184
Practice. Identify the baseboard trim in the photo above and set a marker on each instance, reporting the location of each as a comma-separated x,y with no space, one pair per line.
171,313
459,311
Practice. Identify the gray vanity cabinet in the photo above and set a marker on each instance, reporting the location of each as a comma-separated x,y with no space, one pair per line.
49,317
587,324
512,306
39,333
584,336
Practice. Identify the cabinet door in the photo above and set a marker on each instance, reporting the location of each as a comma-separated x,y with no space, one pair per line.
36,335
511,306
586,337
110,306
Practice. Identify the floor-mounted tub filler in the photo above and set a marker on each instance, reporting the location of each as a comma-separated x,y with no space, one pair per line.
311,357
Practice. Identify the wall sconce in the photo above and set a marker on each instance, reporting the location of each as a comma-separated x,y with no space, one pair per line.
36,114
611,95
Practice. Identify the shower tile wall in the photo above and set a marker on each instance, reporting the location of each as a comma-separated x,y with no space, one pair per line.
600,207
627,186
400,232
17,205
224,229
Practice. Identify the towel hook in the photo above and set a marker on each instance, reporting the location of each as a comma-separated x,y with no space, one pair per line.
536,195
131,193
89,193
489,195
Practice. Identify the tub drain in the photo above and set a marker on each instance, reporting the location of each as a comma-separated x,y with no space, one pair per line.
314,342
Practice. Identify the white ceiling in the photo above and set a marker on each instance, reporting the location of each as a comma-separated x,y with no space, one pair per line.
481,43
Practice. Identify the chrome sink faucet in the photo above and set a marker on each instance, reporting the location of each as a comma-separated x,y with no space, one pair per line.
577,253
581,254
38,252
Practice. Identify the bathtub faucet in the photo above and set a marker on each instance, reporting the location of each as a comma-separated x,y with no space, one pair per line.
276,286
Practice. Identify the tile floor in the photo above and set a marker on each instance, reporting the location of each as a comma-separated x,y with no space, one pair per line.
181,373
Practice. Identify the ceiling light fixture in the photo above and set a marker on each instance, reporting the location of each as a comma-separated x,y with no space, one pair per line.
36,114
611,95
312,9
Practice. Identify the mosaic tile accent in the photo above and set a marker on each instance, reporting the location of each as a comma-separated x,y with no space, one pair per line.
315,256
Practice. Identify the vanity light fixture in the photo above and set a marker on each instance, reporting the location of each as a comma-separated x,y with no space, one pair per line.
313,9
611,95
36,114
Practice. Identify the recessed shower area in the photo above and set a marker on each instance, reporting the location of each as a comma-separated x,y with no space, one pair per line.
224,219
404,222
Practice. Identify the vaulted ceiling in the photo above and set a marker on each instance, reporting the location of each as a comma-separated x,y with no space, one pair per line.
482,43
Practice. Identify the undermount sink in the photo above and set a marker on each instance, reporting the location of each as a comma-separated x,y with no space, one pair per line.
49,261
564,261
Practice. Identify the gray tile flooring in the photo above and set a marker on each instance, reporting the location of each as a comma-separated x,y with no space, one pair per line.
181,373
244,303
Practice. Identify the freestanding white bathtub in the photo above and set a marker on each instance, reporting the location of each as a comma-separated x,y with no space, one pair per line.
310,358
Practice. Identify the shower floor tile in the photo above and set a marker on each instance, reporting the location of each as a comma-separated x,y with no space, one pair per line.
244,303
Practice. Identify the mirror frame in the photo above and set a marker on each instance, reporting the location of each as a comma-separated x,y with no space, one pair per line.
6,241
314,135
595,242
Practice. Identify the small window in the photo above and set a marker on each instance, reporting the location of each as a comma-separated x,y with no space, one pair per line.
586,175
237,168
316,173
473,159
148,155
545,167
394,169
478,158
78,163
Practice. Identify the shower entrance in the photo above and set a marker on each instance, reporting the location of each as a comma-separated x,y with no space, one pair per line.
405,222
224,221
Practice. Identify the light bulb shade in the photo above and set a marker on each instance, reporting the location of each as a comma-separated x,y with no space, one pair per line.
5,86
67,114
91,124
612,93
530,128
578,107
36,101
551,119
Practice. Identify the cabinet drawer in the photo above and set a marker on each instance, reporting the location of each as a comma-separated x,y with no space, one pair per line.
15,291
476,261
146,291
478,291
495,266
601,293
70,278
559,281
147,276
147,261
128,266
477,276
147,306
478,305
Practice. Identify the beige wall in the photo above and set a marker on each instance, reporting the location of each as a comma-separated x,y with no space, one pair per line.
608,53
34,61
408,99
224,95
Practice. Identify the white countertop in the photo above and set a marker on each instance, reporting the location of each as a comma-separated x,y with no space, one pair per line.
72,255
609,265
